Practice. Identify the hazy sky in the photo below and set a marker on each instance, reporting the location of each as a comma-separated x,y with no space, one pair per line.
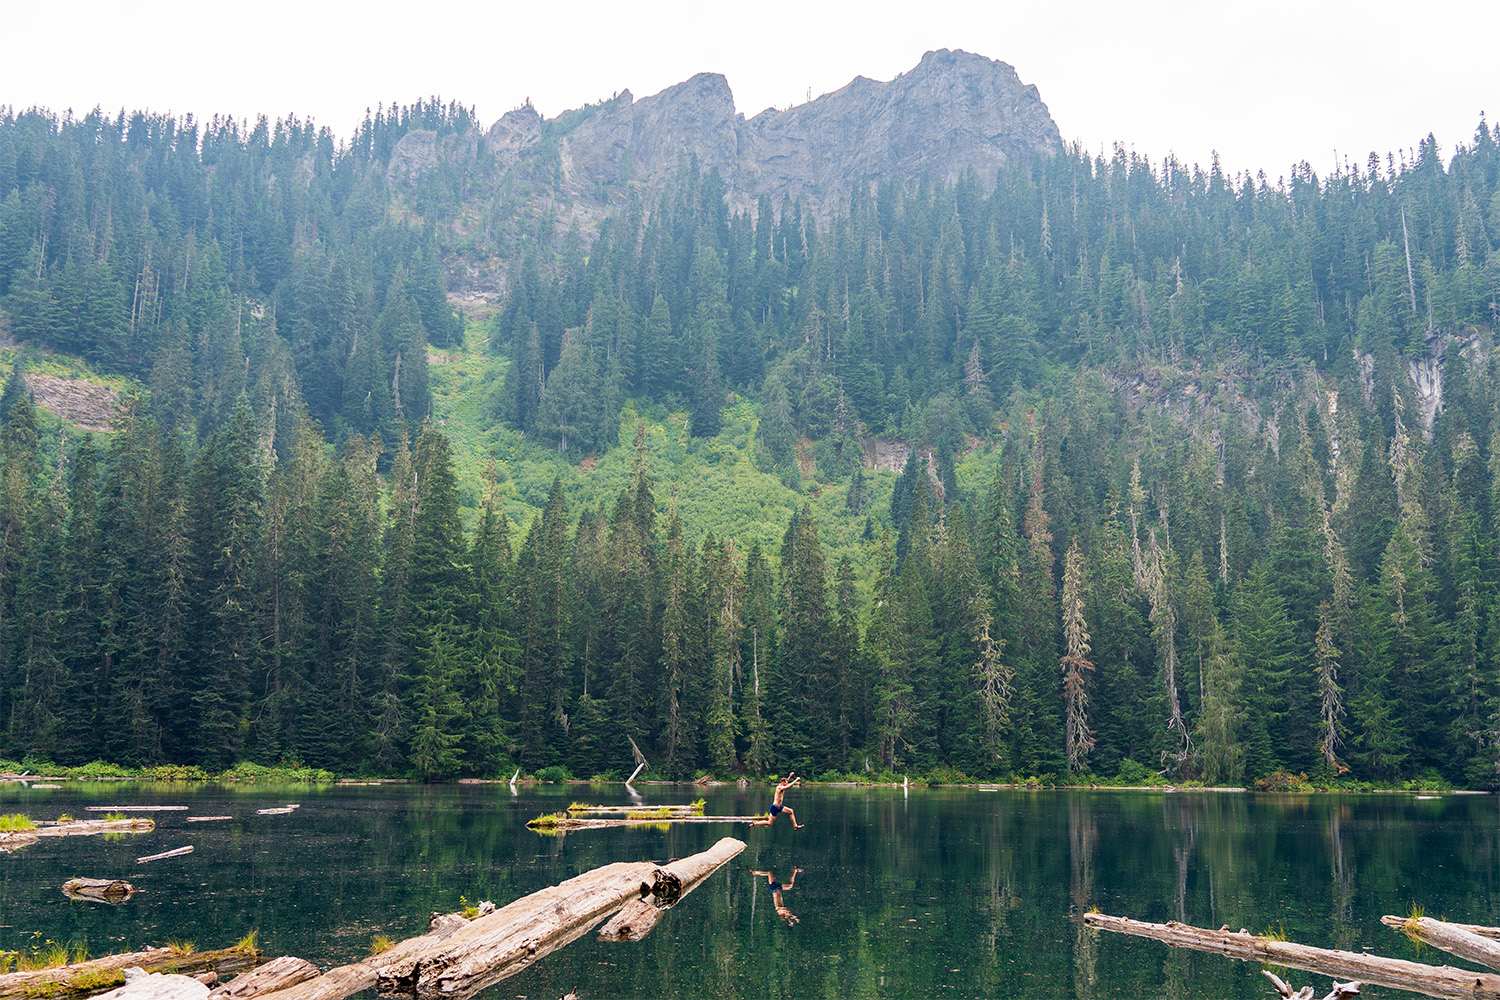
1266,85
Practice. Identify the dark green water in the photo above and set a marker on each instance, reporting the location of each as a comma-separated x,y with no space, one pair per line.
939,893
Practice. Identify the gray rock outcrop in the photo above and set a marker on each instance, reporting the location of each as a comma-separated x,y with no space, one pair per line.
953,112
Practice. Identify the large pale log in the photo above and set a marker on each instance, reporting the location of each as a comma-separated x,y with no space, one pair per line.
1435,981
566,824
175,852
669,884
347,980
504,942
277,974
85,978
134,809
1453,938
74,828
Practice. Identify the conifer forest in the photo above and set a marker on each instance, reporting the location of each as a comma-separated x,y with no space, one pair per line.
1200,473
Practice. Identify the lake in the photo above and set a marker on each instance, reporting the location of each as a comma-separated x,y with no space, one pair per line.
928,893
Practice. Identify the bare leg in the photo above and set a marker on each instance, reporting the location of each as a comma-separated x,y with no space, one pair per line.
763,822
793,817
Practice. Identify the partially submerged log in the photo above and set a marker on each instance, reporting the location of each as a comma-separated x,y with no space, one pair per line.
1453,938
165,854
277,974
85,978
10,840
669,884
278,810
89,827
584,808
347,980
503,943
560,823
1435,981
135,808
100,890
207,819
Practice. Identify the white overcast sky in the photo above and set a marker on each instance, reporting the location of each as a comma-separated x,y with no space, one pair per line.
1266,85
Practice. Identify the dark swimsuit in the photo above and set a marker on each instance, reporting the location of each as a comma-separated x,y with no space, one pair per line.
776,809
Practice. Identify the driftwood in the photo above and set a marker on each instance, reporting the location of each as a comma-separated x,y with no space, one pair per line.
567,824
277,974
1435,981
135,808
513,937
101,890
669,884
207,819
1453,938
84,978
165,854
10,840
347,980
1340,990
582,808
278,811
458,957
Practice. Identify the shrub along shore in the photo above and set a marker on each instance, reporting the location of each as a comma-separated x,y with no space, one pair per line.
1130,776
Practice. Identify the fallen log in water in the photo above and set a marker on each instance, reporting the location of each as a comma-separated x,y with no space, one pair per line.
135,808
1453,938
1435,981
669,884
165,854
277,974
12,839
563,823
101,890
207,819
85,978
347,980
583,808
277,811
506,941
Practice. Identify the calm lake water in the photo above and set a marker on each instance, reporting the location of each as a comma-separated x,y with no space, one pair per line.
935,893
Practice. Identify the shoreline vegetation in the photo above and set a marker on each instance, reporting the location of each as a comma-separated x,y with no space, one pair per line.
1132,777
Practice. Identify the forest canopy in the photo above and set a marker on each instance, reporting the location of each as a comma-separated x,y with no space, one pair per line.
1200,471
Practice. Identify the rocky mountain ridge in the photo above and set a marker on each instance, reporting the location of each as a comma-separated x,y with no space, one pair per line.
953,112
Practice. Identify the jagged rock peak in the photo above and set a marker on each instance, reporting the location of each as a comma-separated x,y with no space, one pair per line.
955,111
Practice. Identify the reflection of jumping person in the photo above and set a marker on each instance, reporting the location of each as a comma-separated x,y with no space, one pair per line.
777,807
776,890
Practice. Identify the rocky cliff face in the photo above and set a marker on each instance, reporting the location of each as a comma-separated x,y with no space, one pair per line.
954,112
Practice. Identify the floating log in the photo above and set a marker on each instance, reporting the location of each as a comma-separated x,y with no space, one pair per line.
10,840
102,890
85,978
278,811
347,980
1436,981
1451,938
135,809
692,809
565,824
207,819
165,854
503,943
669,884
277,974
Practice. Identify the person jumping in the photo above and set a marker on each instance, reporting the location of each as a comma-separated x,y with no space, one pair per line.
777,808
